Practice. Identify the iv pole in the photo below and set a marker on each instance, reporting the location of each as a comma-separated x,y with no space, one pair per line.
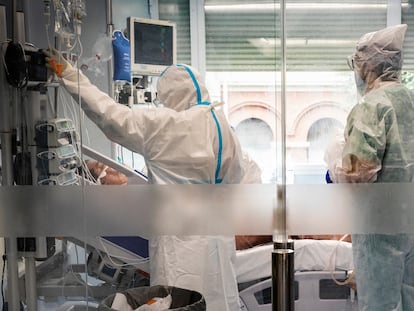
283,253
13,298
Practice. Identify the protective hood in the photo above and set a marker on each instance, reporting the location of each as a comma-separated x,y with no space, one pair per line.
378,55
180,87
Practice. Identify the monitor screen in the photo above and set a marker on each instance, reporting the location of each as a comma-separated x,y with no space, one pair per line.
153,45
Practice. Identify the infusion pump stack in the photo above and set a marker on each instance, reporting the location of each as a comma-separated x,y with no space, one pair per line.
39,147
153,47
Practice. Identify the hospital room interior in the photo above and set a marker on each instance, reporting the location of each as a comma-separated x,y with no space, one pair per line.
232,155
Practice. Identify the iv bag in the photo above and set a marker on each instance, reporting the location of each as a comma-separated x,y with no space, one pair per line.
101,53
122,57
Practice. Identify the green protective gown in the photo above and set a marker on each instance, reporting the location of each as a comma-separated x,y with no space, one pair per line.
379,133
378,147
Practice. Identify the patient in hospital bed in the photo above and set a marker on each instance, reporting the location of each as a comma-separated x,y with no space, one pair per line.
105,175
248,241
108,176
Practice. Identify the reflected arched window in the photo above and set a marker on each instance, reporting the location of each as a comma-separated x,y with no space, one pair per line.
254,134
256,138
320,134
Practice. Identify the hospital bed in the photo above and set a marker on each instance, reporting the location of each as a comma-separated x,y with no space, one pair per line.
317,264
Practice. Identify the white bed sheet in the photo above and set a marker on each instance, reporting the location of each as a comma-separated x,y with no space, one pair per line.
310,255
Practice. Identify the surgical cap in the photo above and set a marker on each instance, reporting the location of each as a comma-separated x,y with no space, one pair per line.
180,87
381,52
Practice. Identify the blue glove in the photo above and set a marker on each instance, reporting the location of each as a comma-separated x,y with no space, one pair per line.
328,178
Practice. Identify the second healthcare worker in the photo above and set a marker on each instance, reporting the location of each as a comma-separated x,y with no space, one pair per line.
379,147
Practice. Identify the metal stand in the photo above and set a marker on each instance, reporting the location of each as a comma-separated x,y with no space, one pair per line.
7,175
30,282
283,296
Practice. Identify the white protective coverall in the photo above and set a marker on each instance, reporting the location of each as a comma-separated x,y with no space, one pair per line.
186,141
379,147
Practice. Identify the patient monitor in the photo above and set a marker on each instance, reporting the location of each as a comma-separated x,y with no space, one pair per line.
153,45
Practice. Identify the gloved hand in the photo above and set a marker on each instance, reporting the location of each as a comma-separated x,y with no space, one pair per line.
333,157
328,178
56,62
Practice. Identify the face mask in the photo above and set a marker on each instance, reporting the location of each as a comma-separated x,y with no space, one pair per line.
360,84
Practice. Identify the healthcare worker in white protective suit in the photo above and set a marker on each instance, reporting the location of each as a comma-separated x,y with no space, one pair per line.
186,141
379,147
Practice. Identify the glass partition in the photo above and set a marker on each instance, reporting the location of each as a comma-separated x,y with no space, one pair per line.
240,212
244,47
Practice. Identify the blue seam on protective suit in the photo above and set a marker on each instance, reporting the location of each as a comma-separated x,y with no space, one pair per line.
199,102
217,179
196,85
220,150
